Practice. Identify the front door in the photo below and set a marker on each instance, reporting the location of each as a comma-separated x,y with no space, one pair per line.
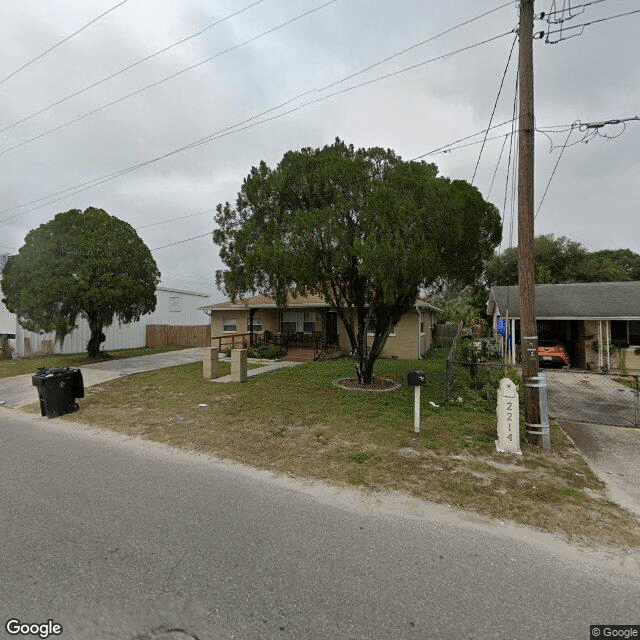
332,328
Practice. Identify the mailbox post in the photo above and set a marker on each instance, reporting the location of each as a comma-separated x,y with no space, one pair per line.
416,379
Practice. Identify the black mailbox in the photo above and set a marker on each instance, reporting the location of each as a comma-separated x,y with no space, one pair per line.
416,378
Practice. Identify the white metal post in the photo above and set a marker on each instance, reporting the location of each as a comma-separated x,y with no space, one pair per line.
416,411
600,359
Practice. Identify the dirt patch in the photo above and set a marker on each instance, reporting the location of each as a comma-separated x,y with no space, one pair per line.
379,384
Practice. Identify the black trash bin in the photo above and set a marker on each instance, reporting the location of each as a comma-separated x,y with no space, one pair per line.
58,389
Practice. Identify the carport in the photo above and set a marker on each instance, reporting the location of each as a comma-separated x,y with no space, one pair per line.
598,322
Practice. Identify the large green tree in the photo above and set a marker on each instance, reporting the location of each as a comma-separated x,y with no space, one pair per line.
85,263
560,260
359,226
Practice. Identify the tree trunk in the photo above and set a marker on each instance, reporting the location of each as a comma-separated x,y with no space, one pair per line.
97,336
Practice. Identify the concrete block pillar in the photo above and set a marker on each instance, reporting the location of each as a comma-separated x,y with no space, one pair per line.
238,365
210,363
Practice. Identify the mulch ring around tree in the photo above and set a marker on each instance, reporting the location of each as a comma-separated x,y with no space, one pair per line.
379,385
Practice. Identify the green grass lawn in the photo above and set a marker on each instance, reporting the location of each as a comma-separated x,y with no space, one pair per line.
296,421
10,367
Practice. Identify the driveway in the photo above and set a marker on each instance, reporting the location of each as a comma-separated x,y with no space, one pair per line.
614,454
16,391
587,397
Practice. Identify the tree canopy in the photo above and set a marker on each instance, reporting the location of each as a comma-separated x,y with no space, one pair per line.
561,260
84,263
359,226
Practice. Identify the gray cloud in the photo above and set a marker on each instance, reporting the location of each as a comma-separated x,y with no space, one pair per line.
593,198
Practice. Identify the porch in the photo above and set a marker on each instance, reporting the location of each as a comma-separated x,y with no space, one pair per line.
298,346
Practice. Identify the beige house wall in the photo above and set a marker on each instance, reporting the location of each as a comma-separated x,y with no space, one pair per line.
632,360
406,343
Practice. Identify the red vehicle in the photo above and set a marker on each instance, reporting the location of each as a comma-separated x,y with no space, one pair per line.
553,353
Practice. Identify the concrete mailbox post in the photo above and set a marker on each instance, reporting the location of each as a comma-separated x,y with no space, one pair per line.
209,363
416,379
508,418
238,365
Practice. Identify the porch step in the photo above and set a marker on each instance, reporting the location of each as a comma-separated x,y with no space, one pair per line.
299,355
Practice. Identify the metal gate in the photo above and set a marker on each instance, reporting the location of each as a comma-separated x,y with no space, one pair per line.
598,398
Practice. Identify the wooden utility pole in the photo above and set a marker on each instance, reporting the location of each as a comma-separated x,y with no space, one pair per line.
526,265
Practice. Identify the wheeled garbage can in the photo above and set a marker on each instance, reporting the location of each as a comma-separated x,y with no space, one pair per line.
58,389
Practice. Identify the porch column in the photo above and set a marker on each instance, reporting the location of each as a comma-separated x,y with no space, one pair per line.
600,362
607,326
252,313
513,340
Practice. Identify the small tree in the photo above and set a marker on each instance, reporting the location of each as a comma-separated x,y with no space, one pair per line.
559,260
80,263
361,227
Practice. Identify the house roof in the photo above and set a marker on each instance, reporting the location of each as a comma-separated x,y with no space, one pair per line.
299,302
266,302
577,301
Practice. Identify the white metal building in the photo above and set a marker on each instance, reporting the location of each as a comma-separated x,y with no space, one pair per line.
174,307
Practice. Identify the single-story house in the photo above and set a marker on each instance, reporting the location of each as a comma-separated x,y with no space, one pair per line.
582,316
309,320
174,307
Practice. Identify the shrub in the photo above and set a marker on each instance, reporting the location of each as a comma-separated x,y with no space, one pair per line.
266,352
5,349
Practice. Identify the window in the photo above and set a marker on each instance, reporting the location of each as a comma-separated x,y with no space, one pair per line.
288,322
625,332
229,325
257,325
175,304
421,323
309,322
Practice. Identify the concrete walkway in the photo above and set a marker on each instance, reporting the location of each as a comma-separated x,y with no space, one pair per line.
17,391
272,366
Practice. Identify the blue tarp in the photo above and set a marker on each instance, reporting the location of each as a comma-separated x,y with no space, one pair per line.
502,327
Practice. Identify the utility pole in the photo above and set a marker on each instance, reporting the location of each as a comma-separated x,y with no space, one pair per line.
526,264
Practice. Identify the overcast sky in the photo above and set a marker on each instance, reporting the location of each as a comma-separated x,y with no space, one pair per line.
594,197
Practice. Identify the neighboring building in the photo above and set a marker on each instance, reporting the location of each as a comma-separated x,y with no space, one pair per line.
174,307
579,315
310,318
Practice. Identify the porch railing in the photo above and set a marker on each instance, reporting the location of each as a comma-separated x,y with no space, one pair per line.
290,340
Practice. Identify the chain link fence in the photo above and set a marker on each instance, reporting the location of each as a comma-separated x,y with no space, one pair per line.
597,398
474,369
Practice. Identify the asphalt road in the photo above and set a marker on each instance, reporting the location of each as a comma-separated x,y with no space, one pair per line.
117,538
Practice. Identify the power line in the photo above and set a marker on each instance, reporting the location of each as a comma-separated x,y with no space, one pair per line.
50,49
570,10
163,80
418,44
504,142
506,186
451,144
581,27
190,215
130,66
236,128
201,31
553,173
495,104
164,246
